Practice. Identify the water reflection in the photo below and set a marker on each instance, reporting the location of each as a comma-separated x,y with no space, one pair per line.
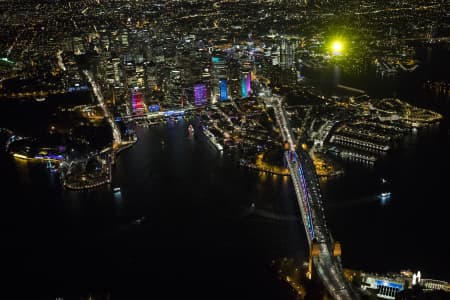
118,196
337,75
23,170
385,198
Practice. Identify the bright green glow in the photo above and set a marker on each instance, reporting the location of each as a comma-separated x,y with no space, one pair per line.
337,47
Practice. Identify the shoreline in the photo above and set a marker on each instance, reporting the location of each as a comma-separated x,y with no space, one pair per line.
253,167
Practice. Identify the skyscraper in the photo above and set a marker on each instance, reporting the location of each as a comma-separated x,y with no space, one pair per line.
244,85
246,78
223,90
248,81
219,78
137,101
200,94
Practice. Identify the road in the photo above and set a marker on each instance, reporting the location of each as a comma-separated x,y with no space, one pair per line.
98,95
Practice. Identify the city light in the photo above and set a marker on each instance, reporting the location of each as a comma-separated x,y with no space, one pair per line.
337,46
300,95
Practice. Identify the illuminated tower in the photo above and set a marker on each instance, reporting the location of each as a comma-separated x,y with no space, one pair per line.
248,80
137,101
287,54
200,94
223,85
244,85
175,85
219,78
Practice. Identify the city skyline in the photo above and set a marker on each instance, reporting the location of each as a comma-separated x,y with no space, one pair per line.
131,122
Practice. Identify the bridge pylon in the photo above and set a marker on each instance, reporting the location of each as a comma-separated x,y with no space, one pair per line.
337,251
314,250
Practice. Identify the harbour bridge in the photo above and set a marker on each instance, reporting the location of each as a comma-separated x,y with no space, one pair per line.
325,252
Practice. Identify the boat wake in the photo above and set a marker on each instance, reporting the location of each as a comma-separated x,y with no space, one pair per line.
258,212
381,198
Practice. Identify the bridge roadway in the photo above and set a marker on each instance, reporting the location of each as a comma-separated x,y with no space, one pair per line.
306,185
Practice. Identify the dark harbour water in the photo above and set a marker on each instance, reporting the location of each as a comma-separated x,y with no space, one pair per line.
409,230
197,238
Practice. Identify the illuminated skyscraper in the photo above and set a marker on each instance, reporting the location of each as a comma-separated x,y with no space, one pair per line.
219,81
223,89
287,54
200,94
246,78
137,101
248,82
175,84
244,86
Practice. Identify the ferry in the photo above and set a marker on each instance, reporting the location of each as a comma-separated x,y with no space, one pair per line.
385,186
385,194
140,220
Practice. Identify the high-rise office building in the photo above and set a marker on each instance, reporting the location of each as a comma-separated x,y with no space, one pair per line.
248,81
287,54
219,78
223,86
137,101
200,94
243,86
246,78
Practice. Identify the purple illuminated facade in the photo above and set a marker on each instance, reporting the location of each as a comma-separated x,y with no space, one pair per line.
200,94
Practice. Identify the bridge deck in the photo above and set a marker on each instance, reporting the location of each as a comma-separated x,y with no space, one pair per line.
309,200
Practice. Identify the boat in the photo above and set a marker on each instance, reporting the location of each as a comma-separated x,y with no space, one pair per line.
139,221
385,195
40,99
116,189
